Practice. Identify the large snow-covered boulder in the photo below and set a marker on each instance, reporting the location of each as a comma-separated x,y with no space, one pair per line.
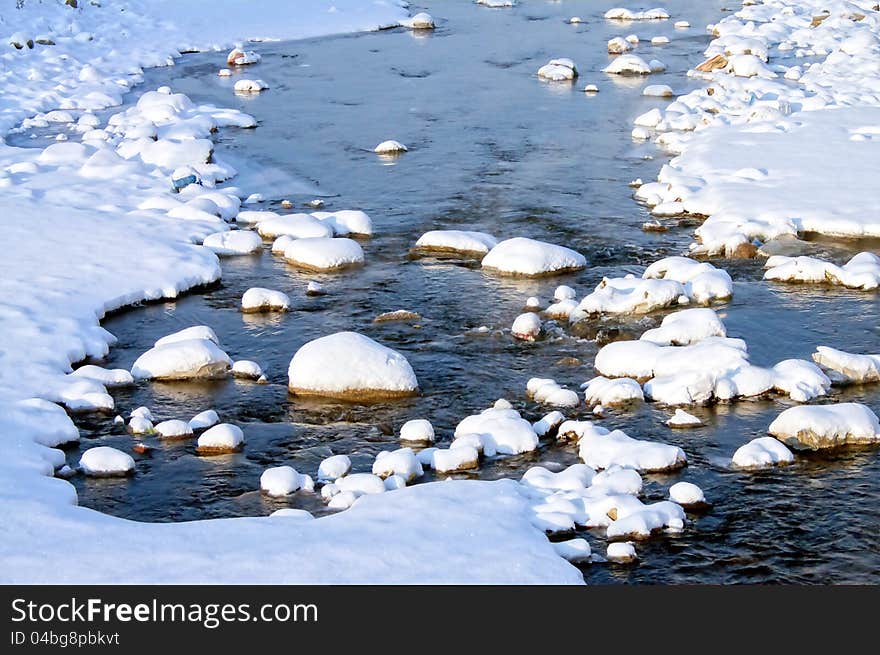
350,366
182,360
531,258
814,427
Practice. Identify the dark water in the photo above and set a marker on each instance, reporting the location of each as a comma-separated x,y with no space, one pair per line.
491,148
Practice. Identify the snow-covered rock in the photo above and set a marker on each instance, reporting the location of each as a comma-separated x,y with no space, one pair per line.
611,392
657,91
258,299
104,461
222,438
761,453
421,21
334,467
417,431
174,429
324,254
390,147
682,419
558,70
628,64
686,327
621,552
687,495
576,551
110,378
601,449
351,366
400,462
182,360
503,429
457,241
526,327
204,420
623,14
702,281
297,226
548,392
248,86
848,368
233,242
280,481
528,257
814,427
245,369
860,272
451,460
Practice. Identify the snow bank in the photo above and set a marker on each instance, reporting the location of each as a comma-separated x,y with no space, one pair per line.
351,366
814,427
528,257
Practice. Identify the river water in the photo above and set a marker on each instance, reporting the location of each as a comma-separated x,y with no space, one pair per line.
492,148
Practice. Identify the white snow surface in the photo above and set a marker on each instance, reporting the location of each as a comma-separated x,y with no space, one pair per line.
58,287
528,257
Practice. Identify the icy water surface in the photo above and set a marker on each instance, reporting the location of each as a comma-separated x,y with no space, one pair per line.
491,148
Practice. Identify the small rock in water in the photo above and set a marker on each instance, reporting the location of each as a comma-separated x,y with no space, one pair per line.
533,304
398,315
104,461
418,431
224,72
244,369
65,472
246,86
220,439
286,204
142,449
421,21
238,57
257,299
591,88
688,495
317,203
558,70
574,20
654,226
174,429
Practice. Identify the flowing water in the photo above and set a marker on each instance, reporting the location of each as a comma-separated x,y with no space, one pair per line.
492,148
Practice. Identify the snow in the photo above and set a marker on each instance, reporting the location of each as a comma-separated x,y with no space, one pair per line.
222,438
860,272
528,257
247,86
686,494
280,481
814,427
204,420
558,70
628,295
289,513
258,299
324,254
643,522
682,419
400,462
186,334
618,45
174,429
703,283
418,431
334,467
504,429
457,241
526,327
657,91
761,453
548,423
611,392
576,476
139,425
104,461
234,242
346,222
390,147
182,360
368,370
848,368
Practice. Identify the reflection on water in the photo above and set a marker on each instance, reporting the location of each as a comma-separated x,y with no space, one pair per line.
494,149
